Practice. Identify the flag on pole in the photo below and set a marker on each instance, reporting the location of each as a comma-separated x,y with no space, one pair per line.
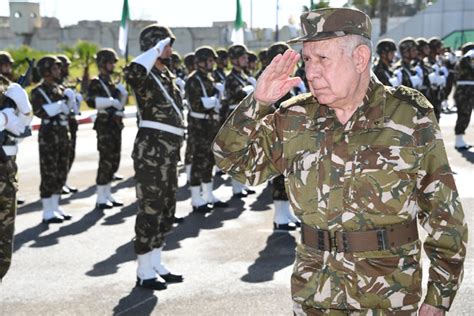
123,32
237,36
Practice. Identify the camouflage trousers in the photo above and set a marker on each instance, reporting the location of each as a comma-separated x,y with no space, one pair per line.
73,127
188,154
109,145
54,147
202,160
8,189
464,97
155,157
300,310
278,189
437,96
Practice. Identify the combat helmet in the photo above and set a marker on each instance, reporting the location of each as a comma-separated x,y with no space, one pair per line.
45,64
6,58
467,47
385,46
275,49
64,59
203,53
237,50
222,53
152,34
104,56
189,60
435,43
406,44
175,57
252,57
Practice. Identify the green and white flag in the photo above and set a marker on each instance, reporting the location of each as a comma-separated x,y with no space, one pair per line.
123,32
237,36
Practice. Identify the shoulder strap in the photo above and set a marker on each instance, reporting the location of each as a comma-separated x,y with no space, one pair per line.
45,96
203,88
105,87
167,96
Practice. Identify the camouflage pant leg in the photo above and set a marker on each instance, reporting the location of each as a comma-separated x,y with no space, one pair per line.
54,159
109,145
155,163
73,127
188,154
278,189
300,310
464,104
202,157
8,188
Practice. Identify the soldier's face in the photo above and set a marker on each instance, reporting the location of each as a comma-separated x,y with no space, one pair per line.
330,71
243,61
391,56
109,66
167,52
6,69
56,72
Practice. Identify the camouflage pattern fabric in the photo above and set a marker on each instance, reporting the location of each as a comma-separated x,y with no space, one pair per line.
73,127
155,156
426,86
109,127
383,72
278,189
464,95
219,75
53,140
203,130
437,93
8,189
234,83
386,165
407,71
188,153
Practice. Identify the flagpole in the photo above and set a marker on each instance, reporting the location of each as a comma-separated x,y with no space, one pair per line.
276,26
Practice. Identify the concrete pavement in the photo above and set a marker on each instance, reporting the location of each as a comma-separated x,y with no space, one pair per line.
232,260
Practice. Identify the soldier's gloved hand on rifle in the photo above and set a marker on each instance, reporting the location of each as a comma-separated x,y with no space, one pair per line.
123,94
220,88
248,89
19,96
116,103
148,58
55,108
70,99
102,103
11,122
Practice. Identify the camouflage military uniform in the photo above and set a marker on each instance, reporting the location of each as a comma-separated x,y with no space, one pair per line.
383,72
386,165
219,75
464,94
8,189
203,124
53,139
108,126
234,93
406,70
155,155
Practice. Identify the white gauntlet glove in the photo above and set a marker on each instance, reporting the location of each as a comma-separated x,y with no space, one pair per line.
220,88
117,104
13,124
160,46
19,96
248,89
71,99
123,94
148,58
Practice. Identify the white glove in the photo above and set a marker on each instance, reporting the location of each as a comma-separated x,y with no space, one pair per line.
415,81
301,87
252,81
117,104
53,109
248,89
25,118
123,94
71,98
19,96
444,71
442,81
13,123
218,106
66,107
101,103
160,46
180,83
394,82
220,87
209,102
419,71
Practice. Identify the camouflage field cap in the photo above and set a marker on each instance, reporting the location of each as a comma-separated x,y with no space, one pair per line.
333,22
6,58
45,64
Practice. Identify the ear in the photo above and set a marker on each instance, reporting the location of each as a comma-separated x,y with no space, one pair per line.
361,56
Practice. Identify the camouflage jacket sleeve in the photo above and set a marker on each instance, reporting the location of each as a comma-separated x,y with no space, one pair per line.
249,146
136,75
94,90
441,214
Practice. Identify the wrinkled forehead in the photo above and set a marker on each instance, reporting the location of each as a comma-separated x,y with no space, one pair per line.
328,46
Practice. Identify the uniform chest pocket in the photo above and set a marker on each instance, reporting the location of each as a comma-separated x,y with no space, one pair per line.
383,178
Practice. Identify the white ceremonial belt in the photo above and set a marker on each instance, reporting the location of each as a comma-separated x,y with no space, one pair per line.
465,83
162,127
203,116
233,106
117,113
55,122
10,150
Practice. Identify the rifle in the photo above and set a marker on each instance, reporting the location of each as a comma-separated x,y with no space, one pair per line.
9,103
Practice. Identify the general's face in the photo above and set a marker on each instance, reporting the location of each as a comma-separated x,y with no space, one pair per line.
330,71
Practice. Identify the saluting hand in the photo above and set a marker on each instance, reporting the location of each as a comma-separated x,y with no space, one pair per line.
275,81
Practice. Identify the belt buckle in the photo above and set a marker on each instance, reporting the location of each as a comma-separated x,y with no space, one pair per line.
382,239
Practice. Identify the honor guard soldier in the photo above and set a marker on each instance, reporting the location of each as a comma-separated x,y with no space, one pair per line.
405,72
203,97
52,103
237,87
423,69
464,94
73,126
222,61
439,75
109,98
386,50
156,153
363,164
15,117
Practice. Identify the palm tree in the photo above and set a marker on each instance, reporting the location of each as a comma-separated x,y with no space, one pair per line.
384,12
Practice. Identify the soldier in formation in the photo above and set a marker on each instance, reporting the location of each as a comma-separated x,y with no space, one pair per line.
156,153
15,118
342,159
109,99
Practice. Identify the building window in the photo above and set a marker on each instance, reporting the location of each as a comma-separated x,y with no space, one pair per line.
17,15
32,15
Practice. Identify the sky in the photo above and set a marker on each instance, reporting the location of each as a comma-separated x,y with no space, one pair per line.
173,12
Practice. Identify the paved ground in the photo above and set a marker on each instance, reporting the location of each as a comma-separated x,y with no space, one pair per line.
232,260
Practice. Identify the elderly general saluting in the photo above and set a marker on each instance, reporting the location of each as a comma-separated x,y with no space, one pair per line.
364,164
